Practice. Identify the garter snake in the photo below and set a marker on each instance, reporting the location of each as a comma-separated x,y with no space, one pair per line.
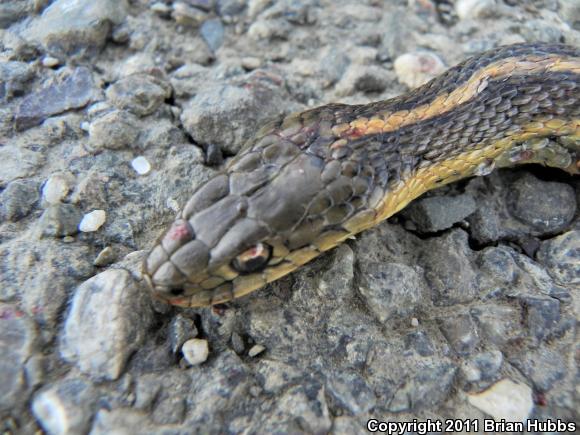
310,180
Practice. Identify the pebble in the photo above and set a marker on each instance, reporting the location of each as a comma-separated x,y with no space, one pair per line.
561,256
65,407
15,76
181,329
245,107
141,165
18,199
106,324
73,27
60,220
415,69
195,351
18,337
92,221
105,257
50,62
187,16
546,206
56,188
439,213
475,9
114,130
140,94
362,78
212,31
505,400
256,350
390,289
460,332
251,63
72,90
161,8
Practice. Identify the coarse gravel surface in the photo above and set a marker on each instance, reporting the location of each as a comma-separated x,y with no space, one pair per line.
113,111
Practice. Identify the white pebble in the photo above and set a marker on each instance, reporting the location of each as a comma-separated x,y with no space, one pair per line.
55,189
414,69
256,349
92,221
49,61
505,400
141,165
414,322
466,9
195,351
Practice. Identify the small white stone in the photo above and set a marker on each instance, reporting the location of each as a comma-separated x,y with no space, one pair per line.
256,350
141,165
195,351
467,9
414,69
50,62
160,8
505,400
55,189
93,221
414,322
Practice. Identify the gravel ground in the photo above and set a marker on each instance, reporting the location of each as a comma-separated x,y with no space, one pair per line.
465,305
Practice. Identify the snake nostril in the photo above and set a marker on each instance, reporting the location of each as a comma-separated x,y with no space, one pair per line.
176,291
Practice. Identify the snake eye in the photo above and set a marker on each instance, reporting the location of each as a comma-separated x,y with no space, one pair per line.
253,259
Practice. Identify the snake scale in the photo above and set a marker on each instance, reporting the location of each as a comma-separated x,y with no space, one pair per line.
308,181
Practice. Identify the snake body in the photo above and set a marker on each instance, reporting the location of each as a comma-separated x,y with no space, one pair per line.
308,181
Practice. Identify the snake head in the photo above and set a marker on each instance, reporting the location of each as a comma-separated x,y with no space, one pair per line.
247,226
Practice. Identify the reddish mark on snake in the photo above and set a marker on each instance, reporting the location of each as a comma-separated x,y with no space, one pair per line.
179,231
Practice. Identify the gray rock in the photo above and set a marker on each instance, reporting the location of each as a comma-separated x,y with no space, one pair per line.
512,207
18,199
561,256
14,78
542,316
243,109
65,407
186,15
204,5
362,78
438,213
41,273
181,329
140,94
19,162
114,130
350,391
10,12
544,367
391,290
106,323
545,206
212,31
501,325
72,90
420,342
230,7
570,12
459,330
449,269
429,386
72,27
121,420
60,220
300,409
18,337
483,368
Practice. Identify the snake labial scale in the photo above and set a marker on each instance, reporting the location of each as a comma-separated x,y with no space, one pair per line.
310,180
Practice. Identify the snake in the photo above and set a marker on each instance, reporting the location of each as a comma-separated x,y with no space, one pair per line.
308,181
